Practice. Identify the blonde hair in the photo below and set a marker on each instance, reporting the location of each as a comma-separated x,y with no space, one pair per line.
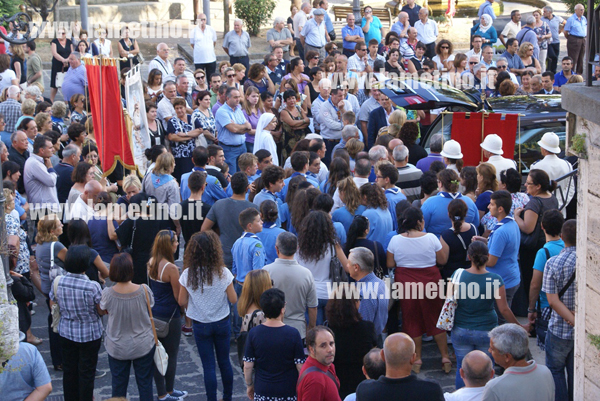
40,120
354,146
394,130
28,107
255,283
59,109
45,227
164,163
523,49
575,79
246,160
8,194
352,197
397,117
238,67
132,181
18,51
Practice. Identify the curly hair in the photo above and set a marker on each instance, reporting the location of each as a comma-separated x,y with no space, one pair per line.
302,204
409,133
256,282
438,47
204,257
315,235
373,196
489,182
45,226
342,313
351,194
161,249
338,170
354,146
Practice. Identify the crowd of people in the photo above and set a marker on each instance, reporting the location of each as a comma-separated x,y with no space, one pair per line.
291,177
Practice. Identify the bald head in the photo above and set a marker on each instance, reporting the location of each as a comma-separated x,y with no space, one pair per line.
393,143
403,17
477,369
398,350
91,190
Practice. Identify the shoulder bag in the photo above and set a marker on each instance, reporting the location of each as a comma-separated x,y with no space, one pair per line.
162,327
161,359
547,312
55,309
446,319
60,78
316,369
536,239
337,274
55,270
241,341
129,249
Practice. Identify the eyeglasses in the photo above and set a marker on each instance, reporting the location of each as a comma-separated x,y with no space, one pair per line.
200,77
316,57
202,19
502,66
368,11
230,76
472,62
444,47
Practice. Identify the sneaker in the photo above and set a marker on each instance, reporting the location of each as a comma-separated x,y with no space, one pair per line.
32,312
169,397
100,373
179,393
187,331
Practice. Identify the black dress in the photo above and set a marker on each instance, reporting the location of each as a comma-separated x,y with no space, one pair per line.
415,153
352,344
132,61
57,66
23,71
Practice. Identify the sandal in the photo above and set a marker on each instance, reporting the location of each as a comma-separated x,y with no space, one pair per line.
416,367
446,365
35,341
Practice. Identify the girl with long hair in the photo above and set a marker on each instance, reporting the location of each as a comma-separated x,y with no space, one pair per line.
350,196
338,170
377,212
252,107
357,237
486,185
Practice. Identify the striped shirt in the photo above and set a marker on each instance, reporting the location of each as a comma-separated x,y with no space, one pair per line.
557,273
410,181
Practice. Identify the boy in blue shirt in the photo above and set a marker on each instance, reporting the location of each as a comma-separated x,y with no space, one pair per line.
272,178
387,177
214,191
248,164
299,162
265,159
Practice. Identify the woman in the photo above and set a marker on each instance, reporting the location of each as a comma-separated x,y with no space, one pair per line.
354,146
317,245
284,210
164,283
156,132
486,185
377,212
290,22
79,234
414,255
61,50
77,104
444,57
77,134
530,62
357,237
456,240
392,64
23,293
510,180
90,156
102,226
350,197
452,155
252,108
259,79
544,35
313,58
460,67
468,181
17,64
338,170
132,186
295,122
301,206
29,127
274,353
486,30
200,84
525,81
128,48
206,288
103,44
409,133
223,65
80,327
43,122
315,74
155,85
162,185
354,338
129,335
181,133
203,119
295,71
268,236
264,138
58,113
248,304
329,65
84,49
475,318
82,174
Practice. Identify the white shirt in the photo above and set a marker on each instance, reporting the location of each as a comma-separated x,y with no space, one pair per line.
161,65
337,201
299,22
209,304
511,29
556,168
204,45
103,49
414,252
428,32
438,61
465,394
6,78
501,164
189,75
164,109
472,53
79,210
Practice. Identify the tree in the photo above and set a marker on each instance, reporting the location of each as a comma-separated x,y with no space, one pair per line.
572,3
254,13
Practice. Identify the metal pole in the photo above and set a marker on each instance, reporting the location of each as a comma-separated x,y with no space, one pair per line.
226,17
206,8
83,10
356,11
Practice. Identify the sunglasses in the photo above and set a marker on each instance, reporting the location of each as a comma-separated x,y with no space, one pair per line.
230,76
314,58
472,62
200,77
502,66
444,47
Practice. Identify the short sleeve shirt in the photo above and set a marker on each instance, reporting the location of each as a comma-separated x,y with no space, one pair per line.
23,373
414,252
374,29
204,48
223,117
503,243
207,304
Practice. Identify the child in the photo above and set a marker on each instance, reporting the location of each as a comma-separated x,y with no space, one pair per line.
272,180
270,231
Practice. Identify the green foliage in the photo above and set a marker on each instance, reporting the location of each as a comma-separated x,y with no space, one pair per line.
578,145
254,13
572,3
9,7
595,340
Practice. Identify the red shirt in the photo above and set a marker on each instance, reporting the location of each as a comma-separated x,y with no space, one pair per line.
317,386
2,45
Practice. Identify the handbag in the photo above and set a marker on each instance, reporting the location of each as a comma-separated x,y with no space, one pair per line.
162,327
55,309
446,319
337,274
536,239
140,57
60,78
129,249
161,359
241,340
55,270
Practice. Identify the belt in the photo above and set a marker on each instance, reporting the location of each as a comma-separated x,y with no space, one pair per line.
240,283
316,47
578,37
232,146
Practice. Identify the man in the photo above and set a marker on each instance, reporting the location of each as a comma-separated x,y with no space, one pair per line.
536,83
318,381
348,132
481,79
515,64
512,27
193,209
213,190
25,375
476,42
300,20
373,368
314,36
215,83
492,150
3,152
427,31
216,163
203,40
488,57
409,177
473,61
398,383
324,89
19,154
75,79
296,282
317,145
11,108
509,344
376,154
435,147
374,31
324,5
224,215
379,118
412,10
40,177
502,65
477,369
563,76
232,127
221,97
487,8
373,307
179,70
279,35
182,84
34,66
299,162
401,26
596,75
527,34
358,63
351,34
556,25
161,61
367,107
547,84
165,110
330,120
387,177
71,154
236,44
575,31
83,208
554,166
372,55
341,71
559,285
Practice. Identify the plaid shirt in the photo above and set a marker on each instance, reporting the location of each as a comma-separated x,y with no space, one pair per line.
11,110
557,273
77,297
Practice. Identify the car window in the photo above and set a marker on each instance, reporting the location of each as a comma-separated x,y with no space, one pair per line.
531,135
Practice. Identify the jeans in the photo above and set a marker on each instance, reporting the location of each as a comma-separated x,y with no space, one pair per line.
231,156
165,384
510,294
143,368
250,147
79,368
211,337
320,311
465,341
236,319
559,356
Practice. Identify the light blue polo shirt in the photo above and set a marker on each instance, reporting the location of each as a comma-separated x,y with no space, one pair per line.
314,34
380,223
576,26
503,243
394,195
223,117
352,32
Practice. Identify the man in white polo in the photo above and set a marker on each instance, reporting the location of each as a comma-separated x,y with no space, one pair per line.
492,150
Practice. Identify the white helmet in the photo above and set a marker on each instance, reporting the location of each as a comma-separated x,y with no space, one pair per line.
493,144
452,150
550,142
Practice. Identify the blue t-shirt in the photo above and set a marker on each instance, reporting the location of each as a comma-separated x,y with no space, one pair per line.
503,243
212,192
394,195
268,237
483,200
380,223
374,29
342,215
554,248
264,195
101,243
23,373
435,212
341,233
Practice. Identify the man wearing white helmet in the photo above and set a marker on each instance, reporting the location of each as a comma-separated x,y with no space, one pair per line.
492,150
555,167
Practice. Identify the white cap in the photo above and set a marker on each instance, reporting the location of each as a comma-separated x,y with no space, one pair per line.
452,150
493,144
550,142
313,136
